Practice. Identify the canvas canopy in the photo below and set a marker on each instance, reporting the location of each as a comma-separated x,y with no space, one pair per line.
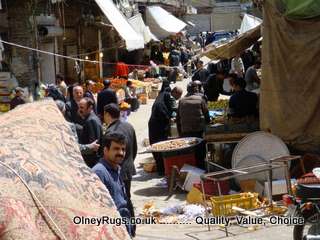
138,25
249,22
44,181
132,39
290,86
235,47
163,23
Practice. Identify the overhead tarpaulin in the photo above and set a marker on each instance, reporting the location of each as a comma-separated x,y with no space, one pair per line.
249,22
290,86
138,25
163,23
45,185
132,38
234,47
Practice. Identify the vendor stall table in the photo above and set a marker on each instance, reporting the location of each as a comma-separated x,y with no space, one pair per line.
227,174
220,139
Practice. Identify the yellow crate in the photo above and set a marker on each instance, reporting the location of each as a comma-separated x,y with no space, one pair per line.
222,206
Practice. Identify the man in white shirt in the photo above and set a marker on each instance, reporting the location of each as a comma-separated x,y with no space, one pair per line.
237,66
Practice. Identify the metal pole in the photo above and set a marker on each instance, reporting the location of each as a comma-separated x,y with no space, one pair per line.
100,54
270,184
288,177
204,201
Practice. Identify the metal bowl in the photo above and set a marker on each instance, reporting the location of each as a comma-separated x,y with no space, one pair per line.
195,141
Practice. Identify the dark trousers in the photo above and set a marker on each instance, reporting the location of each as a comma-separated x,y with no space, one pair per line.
127,186
159,163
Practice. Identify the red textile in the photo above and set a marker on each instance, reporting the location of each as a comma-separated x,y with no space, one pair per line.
122,70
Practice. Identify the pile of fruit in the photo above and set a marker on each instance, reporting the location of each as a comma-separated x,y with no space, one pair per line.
117,83
221,104
124,106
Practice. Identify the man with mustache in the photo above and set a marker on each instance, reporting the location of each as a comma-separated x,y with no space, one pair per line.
92,129
108,170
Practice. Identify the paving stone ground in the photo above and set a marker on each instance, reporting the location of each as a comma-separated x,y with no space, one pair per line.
145,189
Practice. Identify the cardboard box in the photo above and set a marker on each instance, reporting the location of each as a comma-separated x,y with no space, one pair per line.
193,176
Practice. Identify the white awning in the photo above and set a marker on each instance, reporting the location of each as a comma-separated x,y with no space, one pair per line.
163,23
138,25
132,38
249,22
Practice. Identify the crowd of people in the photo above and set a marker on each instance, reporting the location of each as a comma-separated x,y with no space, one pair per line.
191,113
110,153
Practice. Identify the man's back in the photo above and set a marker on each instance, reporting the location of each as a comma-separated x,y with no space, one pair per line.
243,104
192,113
213,88
105,97
125,128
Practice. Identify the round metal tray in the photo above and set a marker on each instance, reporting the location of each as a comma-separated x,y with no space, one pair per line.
256,148
198,140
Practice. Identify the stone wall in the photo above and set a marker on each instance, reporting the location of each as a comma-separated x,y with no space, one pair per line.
20,32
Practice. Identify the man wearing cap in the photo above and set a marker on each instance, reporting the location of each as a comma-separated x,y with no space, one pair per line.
105,97
17,100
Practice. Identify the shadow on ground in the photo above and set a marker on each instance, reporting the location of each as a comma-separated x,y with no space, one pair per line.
160,192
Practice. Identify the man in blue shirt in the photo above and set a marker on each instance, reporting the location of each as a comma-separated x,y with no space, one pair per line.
108,170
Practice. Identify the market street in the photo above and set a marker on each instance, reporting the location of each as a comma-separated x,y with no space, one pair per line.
162,119
145,189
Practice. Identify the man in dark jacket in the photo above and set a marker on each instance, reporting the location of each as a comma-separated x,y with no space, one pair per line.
72,107
201,73
159,122
242,103
92,129
193,114
112,119
214,85
192,117
105,97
